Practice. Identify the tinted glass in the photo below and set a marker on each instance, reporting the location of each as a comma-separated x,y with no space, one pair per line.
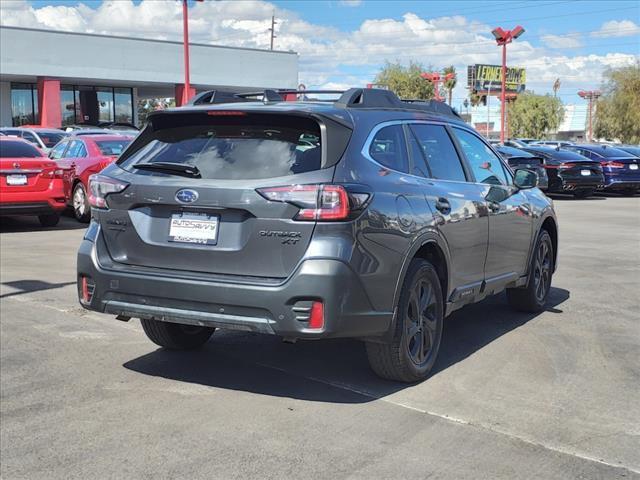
74,150
610,152
105,104
50,138
58,150
24,104
9,149
486,166
284,146
389,148
438,151
112,147
67,105
123,105
31,138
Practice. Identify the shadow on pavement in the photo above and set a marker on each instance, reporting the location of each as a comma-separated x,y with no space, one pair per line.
27,286
326,371
30,223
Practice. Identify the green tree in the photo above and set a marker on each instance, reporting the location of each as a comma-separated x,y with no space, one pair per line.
449,85
534,116
618,110
405,82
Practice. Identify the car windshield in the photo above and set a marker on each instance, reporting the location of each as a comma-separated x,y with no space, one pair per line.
10,149
50,138
112,147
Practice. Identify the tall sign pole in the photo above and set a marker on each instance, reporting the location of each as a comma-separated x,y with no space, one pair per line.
503,37
185,34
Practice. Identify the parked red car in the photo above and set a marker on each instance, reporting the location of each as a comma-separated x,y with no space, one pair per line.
81,157
30,183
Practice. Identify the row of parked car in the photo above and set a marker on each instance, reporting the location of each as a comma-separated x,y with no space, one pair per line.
44,171
578,169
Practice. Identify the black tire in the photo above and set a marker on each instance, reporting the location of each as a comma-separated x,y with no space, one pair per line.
533,297
80,202
629,192
176,336
408,357
583,193
50,220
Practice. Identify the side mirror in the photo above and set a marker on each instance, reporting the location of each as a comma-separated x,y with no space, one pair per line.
525,179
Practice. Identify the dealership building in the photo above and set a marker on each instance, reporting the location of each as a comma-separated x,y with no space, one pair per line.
54,78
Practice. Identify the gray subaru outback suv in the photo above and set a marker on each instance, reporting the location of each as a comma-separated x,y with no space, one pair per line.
366,217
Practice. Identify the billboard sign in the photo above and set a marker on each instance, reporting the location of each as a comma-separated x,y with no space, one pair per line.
483,79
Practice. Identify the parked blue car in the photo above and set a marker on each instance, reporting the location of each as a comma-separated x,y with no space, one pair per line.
621,169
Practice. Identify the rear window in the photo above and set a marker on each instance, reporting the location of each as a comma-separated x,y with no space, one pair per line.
50,138
235,148
9,149
112,147
610,152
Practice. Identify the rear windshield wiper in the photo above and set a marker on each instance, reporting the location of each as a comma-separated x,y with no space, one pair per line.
180,169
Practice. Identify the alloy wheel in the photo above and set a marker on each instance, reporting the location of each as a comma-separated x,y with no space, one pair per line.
542,271
421,325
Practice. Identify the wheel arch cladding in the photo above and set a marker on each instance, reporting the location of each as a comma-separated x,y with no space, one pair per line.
550,226
432,252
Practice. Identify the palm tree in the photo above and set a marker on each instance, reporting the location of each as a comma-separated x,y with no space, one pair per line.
449,85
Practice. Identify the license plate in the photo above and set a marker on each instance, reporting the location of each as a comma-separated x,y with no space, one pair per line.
16,179
633,166
585,173
199,228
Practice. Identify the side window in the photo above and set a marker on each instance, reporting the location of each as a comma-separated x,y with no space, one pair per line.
58,150
31,138
82,151
437,149
74,149
486,166
389,148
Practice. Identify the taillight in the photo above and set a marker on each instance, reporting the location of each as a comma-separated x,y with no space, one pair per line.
564,166
56,173
100,186
612,164
317,202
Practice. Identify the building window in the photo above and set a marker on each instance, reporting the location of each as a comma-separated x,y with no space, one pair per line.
104,96
67,105
123,100
24,104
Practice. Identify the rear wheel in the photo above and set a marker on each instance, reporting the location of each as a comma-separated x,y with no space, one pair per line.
412,352
629,192
583,193
176,336
81,207
533,298
49,220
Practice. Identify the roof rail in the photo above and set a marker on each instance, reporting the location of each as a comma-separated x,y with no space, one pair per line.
352,98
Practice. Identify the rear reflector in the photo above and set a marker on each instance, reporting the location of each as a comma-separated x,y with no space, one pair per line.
316,320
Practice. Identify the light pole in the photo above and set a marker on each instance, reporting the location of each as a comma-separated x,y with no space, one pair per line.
590,95
503,37
185,40
436,79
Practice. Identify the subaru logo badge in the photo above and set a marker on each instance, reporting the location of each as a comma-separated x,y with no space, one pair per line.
186,196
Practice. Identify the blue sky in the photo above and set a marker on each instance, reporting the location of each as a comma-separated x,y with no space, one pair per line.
344,43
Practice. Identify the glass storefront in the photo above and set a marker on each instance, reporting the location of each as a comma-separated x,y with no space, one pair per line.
24,104
79,104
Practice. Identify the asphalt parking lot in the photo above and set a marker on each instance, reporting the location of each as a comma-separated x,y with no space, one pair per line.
514,395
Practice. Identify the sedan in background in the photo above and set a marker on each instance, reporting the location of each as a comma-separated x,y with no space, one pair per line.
551,143
519,142
81,157
30,183
621,169
43,138
569,172
519,160
632,149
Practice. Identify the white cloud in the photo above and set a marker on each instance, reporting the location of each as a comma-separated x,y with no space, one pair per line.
570,40
351,3
615,28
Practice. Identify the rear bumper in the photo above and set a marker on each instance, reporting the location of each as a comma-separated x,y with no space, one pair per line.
43,202
259,308
619,183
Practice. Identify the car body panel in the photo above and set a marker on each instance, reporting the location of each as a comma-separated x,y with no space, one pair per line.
621,169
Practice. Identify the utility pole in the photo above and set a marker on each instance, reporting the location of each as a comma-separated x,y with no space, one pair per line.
273,29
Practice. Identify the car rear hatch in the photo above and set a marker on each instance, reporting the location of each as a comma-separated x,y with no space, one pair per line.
623,168
229,219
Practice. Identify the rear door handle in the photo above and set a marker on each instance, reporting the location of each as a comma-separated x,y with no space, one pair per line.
443,205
